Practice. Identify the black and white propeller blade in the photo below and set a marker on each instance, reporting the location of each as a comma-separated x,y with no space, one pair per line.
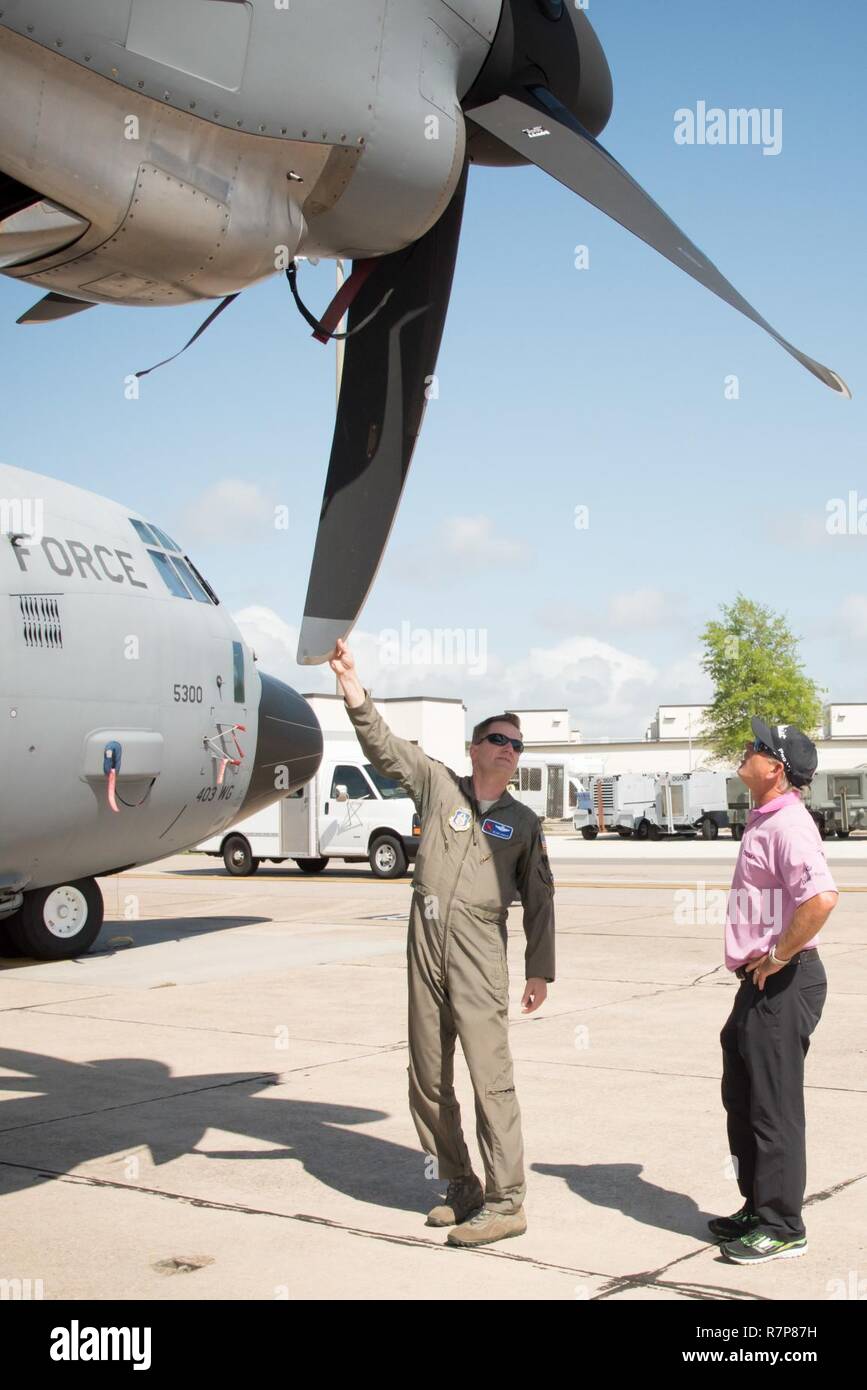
531,121
386,372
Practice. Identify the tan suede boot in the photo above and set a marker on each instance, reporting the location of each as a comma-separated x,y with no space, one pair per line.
487,1226
464,1196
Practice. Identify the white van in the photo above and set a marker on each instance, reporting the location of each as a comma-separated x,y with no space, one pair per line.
349,811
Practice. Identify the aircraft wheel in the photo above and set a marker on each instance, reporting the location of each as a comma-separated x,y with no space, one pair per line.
387,857
311,866
709,829
654,832
238,856
642,830
59,922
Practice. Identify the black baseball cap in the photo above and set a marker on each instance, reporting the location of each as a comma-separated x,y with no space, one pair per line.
795,751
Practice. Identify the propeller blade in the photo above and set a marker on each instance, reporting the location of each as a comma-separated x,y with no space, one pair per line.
386,370
52,307
531,121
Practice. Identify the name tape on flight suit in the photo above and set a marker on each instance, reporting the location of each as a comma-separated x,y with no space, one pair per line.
498,829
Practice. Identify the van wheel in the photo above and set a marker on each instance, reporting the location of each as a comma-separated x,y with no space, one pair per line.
59,922
387,857
709,829
238,856
654,832
311,866
589,832
641,830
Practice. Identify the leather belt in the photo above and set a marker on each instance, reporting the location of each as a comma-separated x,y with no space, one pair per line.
744,974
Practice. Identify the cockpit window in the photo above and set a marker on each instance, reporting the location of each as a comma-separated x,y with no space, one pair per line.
189,579
144,533
163,539
180,574
172,579
204,583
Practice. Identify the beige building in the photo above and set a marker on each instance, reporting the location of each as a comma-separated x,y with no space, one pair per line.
437,725
671,743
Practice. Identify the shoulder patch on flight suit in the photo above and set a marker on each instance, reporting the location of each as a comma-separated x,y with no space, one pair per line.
497,829
461,819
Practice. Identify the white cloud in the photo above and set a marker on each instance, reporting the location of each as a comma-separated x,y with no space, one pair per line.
644,608
230,510
631,610
459,546
474,540
607,690
685,683
809,530
851,620
275,643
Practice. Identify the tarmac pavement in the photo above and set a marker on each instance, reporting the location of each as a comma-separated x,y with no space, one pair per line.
212,1103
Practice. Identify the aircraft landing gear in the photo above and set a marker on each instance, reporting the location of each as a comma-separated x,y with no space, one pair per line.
57,923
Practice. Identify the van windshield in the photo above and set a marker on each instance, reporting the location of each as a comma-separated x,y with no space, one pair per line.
386,786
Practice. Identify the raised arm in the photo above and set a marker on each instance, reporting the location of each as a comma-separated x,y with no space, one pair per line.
392,756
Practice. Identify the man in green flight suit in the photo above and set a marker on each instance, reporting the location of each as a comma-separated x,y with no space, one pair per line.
480,849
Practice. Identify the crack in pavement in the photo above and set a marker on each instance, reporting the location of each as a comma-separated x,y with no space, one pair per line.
424,1242
650,1071
651,1278
326,1223
187,1027
615,1283
38,1008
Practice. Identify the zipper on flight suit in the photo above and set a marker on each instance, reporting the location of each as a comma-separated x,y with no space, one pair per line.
454,890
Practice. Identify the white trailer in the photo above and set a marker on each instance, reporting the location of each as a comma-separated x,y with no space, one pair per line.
837,801
740,803
548,785
621,802
349,811
690,802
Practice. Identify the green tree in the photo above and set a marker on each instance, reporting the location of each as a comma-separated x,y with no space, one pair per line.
752,658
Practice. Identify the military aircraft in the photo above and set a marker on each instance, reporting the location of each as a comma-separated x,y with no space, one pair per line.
133,720
166,151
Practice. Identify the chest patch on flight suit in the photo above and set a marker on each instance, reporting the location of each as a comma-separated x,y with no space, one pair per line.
461,819
498,829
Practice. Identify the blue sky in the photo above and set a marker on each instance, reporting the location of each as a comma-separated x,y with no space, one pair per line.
559,388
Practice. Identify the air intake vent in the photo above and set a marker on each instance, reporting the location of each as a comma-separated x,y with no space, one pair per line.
41,620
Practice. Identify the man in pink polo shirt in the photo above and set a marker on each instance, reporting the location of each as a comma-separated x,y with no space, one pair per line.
782,894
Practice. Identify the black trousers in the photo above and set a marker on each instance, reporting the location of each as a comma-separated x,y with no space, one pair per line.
764,1043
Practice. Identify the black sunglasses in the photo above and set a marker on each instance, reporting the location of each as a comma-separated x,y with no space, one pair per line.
759,747
501,740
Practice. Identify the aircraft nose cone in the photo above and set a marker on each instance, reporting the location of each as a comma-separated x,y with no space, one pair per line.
288,747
